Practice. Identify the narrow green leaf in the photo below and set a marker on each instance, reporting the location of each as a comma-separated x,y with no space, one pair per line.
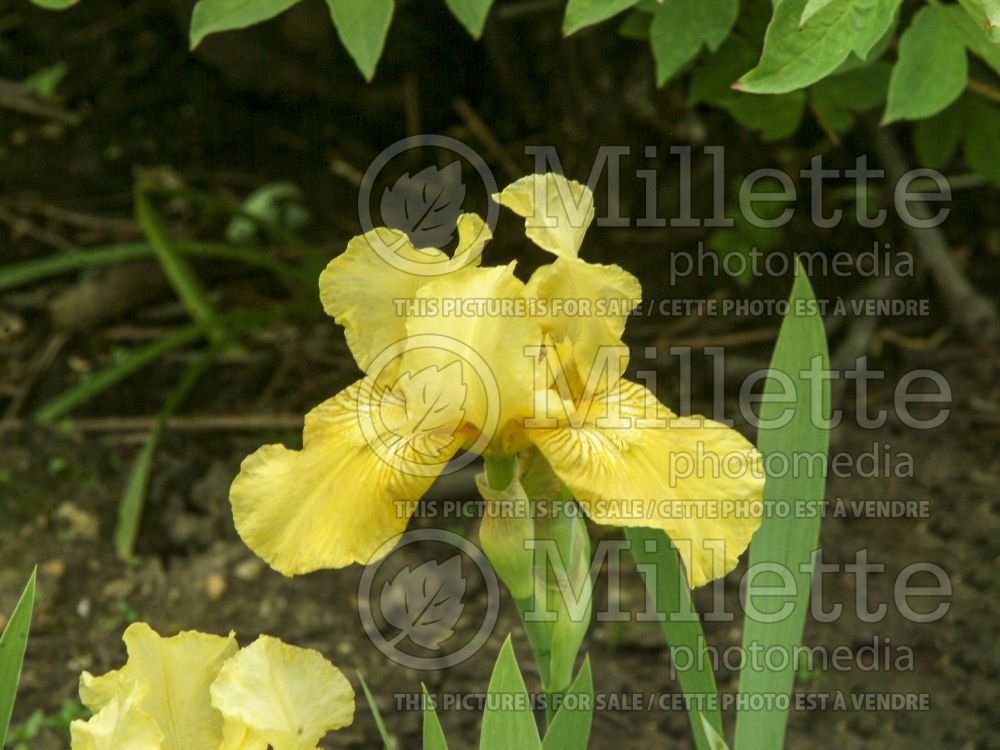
570,729
433,733
715,740
212,16
681,27
176,267
54,5
100,381
387,742
508,721
583,13
660,567
929,44
785,541
53,265
362,26
471,14
13,644
796,56
133,500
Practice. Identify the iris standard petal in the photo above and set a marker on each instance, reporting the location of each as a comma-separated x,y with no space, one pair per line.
481,323
364,464
586,304
289,697
367,288
630,462
557,211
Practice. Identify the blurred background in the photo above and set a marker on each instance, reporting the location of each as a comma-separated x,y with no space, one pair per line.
105,96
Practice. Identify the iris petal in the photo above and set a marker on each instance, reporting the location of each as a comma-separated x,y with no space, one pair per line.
630,462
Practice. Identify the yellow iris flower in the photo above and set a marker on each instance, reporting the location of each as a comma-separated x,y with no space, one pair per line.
196,691
457,356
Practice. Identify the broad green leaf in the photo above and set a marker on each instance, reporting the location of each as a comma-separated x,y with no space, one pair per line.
660,567
931,43
796,56
508,721
812,8
570,729
433,733
387,742
986,14
212,16
982,138
839,98
636,25
583,13
54,5
471,14
774,117
43,83
975,37
786,541
13,643
680,27
362,26
936,139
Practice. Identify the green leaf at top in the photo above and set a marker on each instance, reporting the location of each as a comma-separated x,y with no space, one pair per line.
796,56
55,4
785,541
13,643
932,69
812,8
570,728
211,16
471,14
986,13
583,13
508,721
839,98
774,116
362,26
680,27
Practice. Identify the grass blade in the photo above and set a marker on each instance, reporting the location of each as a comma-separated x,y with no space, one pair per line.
133,500
387,742
53,265
660,567
87,389
433,733
786,539
175,266
13,643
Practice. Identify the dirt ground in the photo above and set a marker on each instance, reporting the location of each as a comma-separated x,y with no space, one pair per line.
260,108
